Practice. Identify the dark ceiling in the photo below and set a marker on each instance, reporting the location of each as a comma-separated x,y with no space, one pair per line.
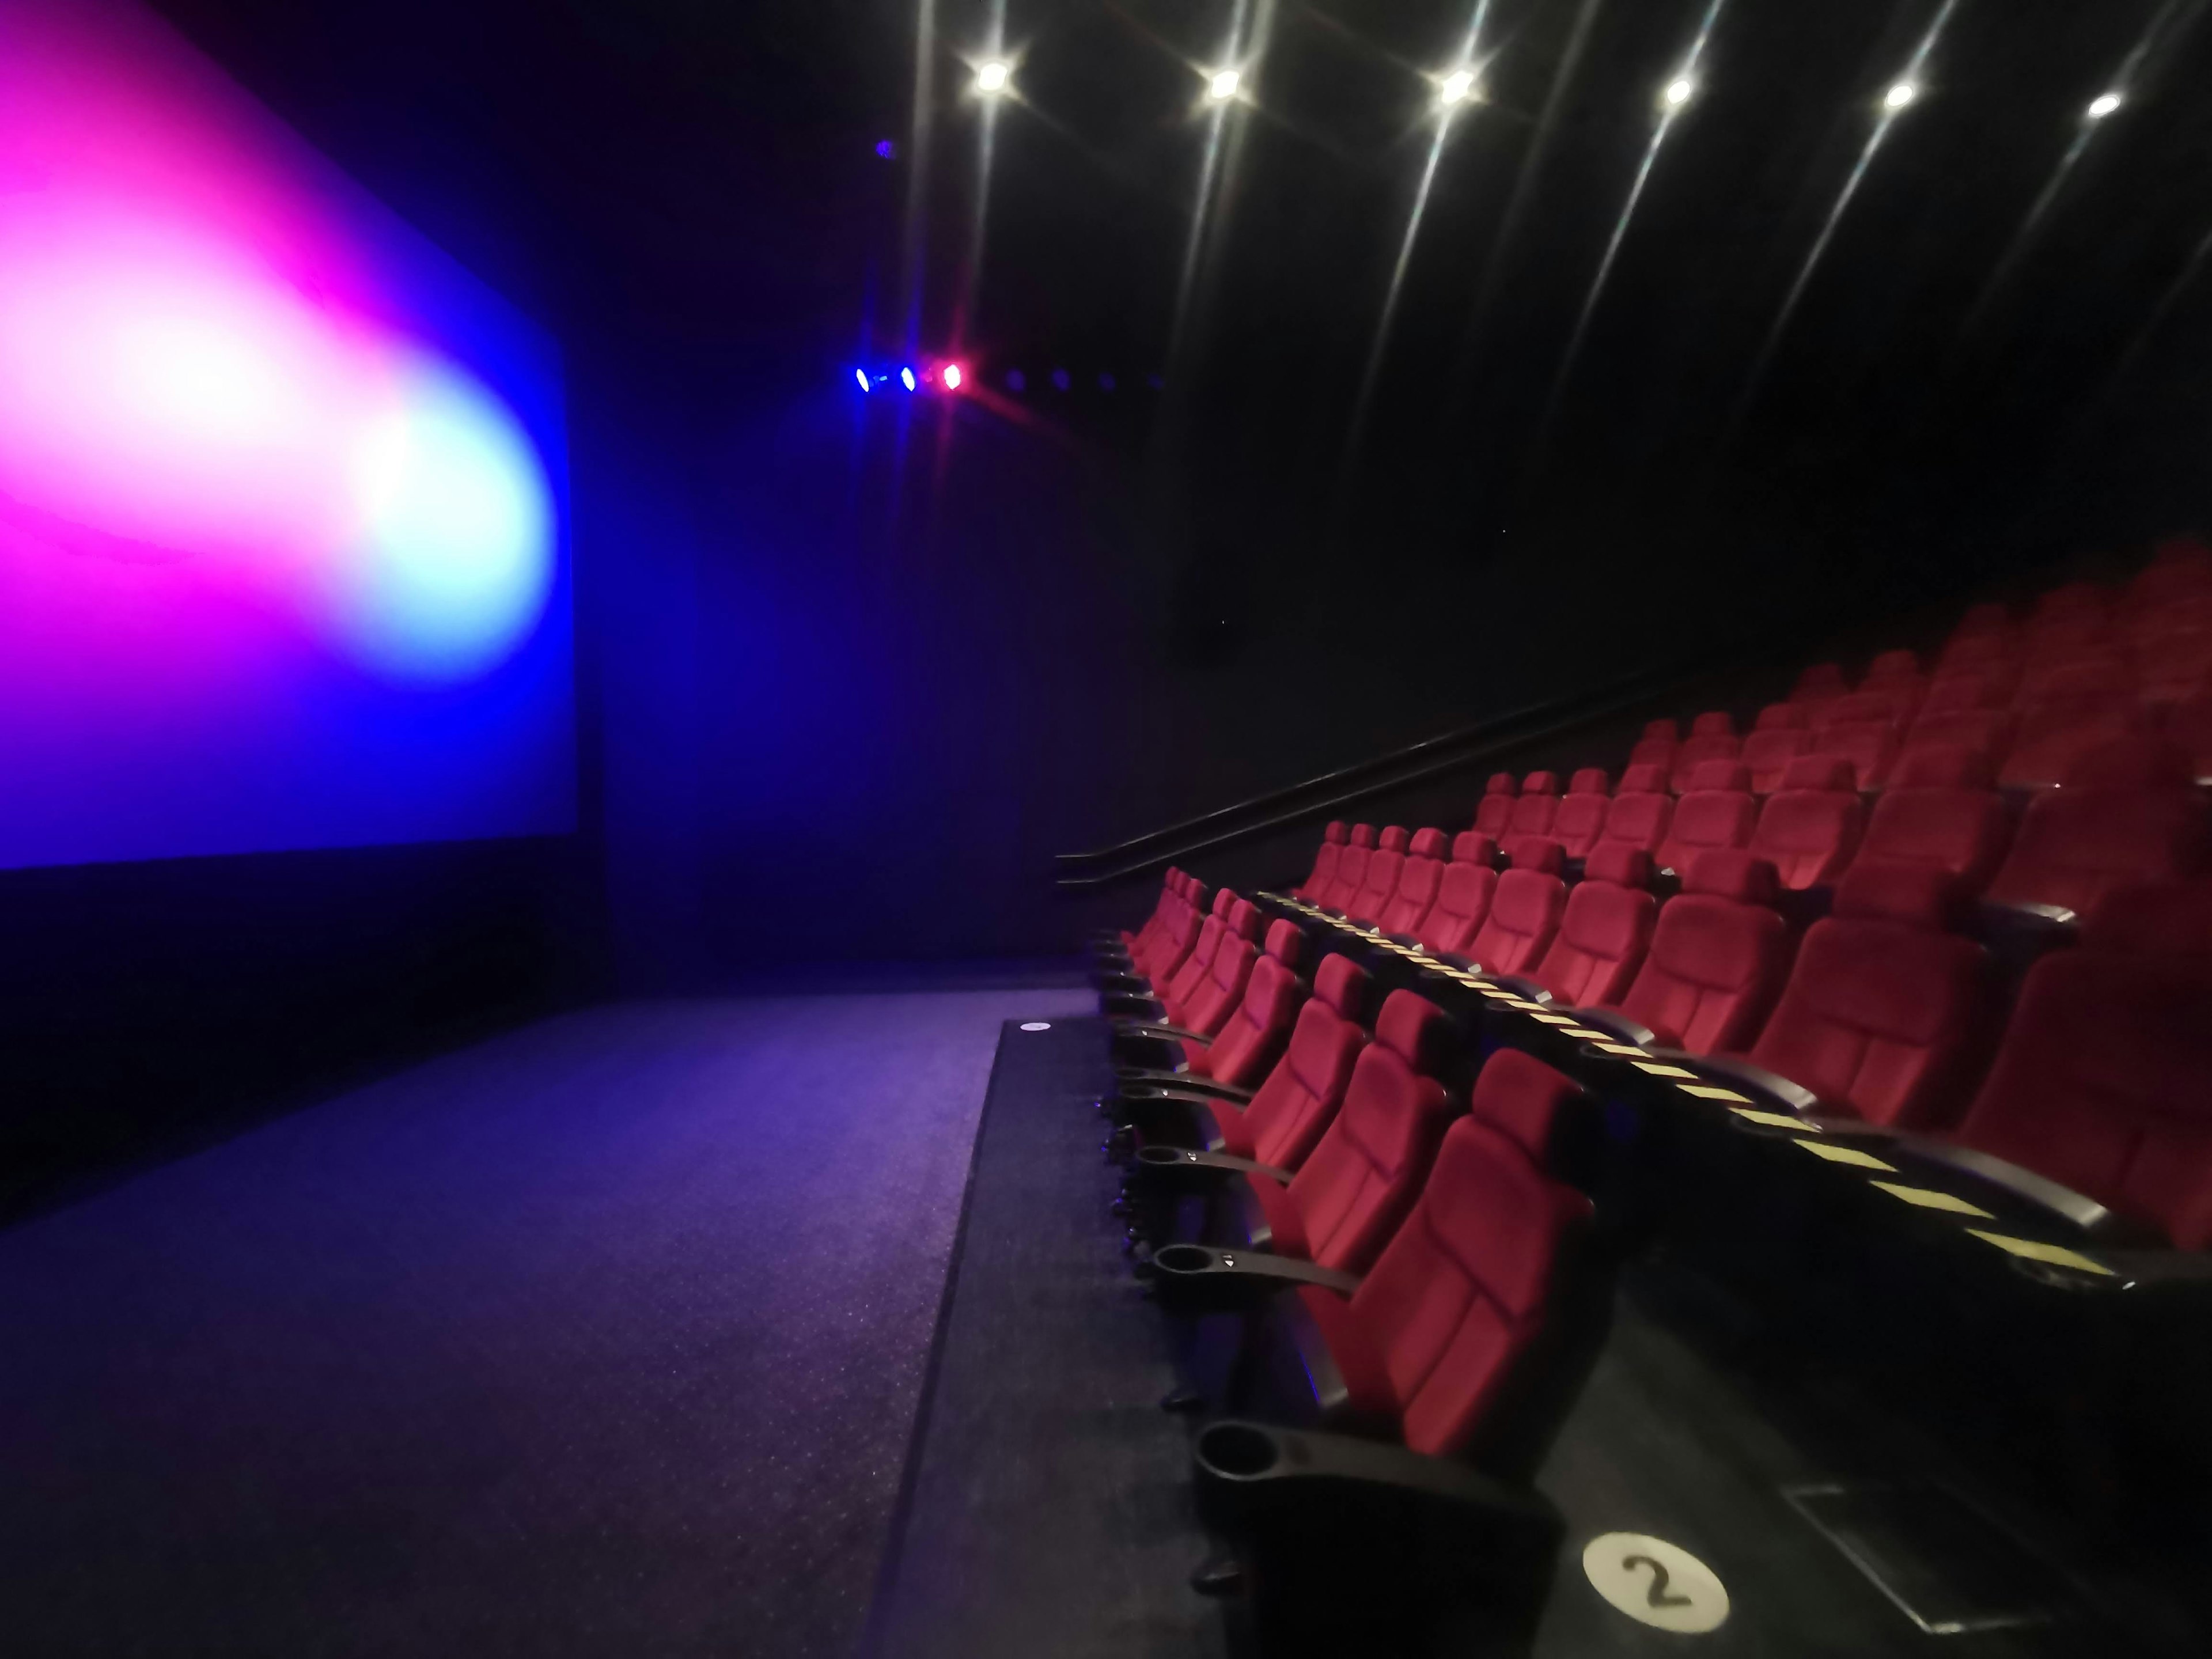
1959,361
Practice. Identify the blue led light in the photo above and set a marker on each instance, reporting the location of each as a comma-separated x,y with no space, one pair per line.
862,375
906,378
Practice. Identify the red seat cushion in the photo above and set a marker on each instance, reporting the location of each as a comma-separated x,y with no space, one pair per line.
1581,818
1810,827
1418,881
2128,813
1940,810
1642,809
1716,956
1525,912
1603,932
1380,880
1717,812
1254,1034
1462,903
1494,812
1294,1106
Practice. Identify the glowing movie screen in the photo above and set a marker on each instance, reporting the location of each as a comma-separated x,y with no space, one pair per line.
284,549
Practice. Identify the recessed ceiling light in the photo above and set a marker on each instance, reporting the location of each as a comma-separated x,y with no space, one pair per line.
1900,95
2104,105
1679,91
993,75
1456,87
1224,84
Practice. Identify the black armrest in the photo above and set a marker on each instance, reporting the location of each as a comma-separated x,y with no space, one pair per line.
1141,1028
1127,1078
1772,1086
1142,1010
2024,1186
2048,915
1199,1169
1526,989
1194,1279
1130,985
1619,1025
2150,1271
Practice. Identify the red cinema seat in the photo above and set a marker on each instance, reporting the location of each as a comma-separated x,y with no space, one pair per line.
1781,736
1986,621
1381,879
1718,811
1863,729
2188,726
1232,918
2127,813
1158,966
1212,1001
1716,957
1712,738
1994,654
1324,868
1810,827
1641,810
2078,709
2104,1080
2171,662
1581,818
1126,943
1250,1040
1298,1098
1351,869
1494,814
1533,810
1418,878
1662,730
1355,1187
1524,909
1941,810
1821,682
1603,932
1657,747
1884,1014
1967,711
1432,1339
2070,603
1463,894
1893,668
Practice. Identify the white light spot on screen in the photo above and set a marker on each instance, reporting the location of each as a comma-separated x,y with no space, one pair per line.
1037,1025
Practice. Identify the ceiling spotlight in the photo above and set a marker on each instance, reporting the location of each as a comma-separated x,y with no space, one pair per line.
2103,105
992,74
1900,95
1679,92
1456,87
906,378
1222,85
861,376
952,376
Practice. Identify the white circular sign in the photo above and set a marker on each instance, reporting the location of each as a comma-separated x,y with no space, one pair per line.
1037,1025
1657,1583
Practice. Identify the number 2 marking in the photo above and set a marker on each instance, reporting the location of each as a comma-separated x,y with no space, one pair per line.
1659,1596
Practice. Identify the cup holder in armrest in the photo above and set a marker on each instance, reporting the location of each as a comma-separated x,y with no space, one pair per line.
1165,1157
1237,1451
1183,1258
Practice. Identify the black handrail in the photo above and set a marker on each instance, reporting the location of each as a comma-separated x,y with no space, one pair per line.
1500,731
1505,734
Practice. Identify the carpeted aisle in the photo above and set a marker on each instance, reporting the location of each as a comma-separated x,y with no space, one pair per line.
603,1338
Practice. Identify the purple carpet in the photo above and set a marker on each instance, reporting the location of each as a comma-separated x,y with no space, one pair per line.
603,1338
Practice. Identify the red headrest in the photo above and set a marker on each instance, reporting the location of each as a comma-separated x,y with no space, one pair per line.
1923,895
1942,766
1175,879
1643,781
2092,677
1818,772
1539,853
2071,598
1244,919
2129,763
1521,1096
1781,717
1822,676
1337,830
1990,618
1224,900
1541,783
1342,983
1415,1027
1591,780
1428,844
1731,873
2153,918
1362,835
1393,838
1863,706
1196,893
1661,729
1892,666
1617,861
1501,783
1715,723
1963,694
1720,775
1473,847
1285,943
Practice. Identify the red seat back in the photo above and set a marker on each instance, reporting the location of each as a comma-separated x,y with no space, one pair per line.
1381,880
1494,814
1524,909
1884,1010
1767,754
1581,818
2128,813
1712,738
1253,1035
1418,879
1362,1178
1291,1111
1434,1334
1641,810
1810,827
1868,744
1717,812
2104,1080
1350,868
1534,809
1940,810
1716,957
2073,710
1463,894
1603,931
1324,866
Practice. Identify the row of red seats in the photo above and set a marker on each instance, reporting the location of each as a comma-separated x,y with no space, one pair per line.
2129,811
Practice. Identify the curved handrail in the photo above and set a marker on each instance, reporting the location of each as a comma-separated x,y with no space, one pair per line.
1618,698
1511,729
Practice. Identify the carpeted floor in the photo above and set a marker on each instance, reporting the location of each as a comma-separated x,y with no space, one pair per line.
603,1338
